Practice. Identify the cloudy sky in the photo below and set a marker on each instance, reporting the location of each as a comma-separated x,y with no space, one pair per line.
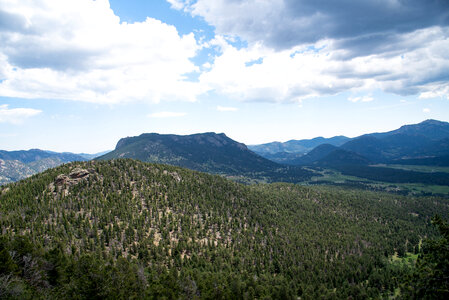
77,75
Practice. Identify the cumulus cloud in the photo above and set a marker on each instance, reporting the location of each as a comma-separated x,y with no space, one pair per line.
294,50
167,114
226,108
16,115
306,48
303,72
79,50
282,24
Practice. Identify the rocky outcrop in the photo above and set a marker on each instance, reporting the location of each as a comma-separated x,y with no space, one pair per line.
75,176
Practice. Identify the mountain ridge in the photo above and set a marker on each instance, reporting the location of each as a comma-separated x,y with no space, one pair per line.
19,164
424,139
297,146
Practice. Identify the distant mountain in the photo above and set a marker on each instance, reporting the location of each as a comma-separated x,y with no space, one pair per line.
207,152
431,129
427,138
27,156
297,146
340,157
316,154
368,146
92,156
14,170
287,158
17,165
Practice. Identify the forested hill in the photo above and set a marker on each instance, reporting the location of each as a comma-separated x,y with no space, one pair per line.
124,229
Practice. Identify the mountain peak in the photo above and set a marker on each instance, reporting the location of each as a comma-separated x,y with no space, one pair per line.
432,121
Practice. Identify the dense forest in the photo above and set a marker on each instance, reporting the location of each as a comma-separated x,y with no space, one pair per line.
128,229
386,174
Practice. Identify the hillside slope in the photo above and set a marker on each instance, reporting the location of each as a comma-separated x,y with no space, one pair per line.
124,228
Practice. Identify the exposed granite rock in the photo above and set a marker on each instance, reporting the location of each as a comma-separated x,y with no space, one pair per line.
63,181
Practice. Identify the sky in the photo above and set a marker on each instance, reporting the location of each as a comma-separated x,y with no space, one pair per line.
78,75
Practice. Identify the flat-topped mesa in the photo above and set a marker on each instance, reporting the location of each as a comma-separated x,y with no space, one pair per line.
208,152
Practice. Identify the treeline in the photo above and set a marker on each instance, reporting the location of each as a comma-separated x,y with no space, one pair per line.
124,229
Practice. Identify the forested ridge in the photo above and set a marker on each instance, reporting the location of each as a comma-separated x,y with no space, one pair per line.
124,229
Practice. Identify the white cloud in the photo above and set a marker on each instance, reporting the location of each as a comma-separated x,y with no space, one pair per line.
362,26
426,110
226,108
309,48
16,115
361,99
435,91
79,50
167,114
304,72
177,4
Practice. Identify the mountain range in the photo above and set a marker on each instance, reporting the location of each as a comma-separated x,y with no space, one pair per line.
296,146
426,143
17,165
427,140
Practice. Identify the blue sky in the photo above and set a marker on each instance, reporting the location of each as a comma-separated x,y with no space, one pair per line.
79,75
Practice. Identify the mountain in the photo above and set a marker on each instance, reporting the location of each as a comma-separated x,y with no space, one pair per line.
17,165
431,129
435,148
92,156
366,145
297,146
124,229
27,156
441,161
316,154
14,170
287,158
340,157
428,138
207,152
